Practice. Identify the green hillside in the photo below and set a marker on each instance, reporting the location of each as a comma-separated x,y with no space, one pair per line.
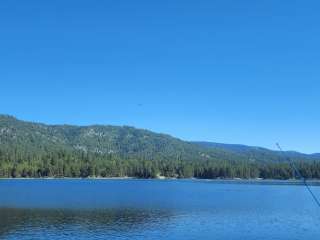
258,153
37,150
124,142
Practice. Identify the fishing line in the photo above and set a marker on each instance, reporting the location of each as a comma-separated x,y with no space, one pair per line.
298,173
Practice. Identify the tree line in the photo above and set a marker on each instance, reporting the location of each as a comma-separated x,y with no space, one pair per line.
61,163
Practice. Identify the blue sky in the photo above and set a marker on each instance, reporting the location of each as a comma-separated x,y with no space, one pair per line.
225,71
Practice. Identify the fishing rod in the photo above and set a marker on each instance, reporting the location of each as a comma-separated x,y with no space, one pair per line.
303,179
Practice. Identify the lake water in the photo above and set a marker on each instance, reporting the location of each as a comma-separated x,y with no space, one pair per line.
154,209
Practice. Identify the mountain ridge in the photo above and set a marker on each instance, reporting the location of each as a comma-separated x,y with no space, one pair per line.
64,133
243,147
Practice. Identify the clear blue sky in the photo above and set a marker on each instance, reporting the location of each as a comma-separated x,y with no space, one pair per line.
225,71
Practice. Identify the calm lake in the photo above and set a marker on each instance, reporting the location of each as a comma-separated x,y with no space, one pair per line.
154,209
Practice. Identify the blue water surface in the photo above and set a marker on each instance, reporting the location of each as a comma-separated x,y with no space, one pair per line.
155,209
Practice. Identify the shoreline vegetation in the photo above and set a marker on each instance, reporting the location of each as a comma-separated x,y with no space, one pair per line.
311,182
89,166
105,167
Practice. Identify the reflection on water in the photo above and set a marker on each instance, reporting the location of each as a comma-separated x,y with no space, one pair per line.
78,209
76,224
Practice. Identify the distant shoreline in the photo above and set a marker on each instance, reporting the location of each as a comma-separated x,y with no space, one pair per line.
314,182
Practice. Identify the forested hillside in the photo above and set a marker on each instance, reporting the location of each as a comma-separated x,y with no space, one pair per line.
258,153
37,150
